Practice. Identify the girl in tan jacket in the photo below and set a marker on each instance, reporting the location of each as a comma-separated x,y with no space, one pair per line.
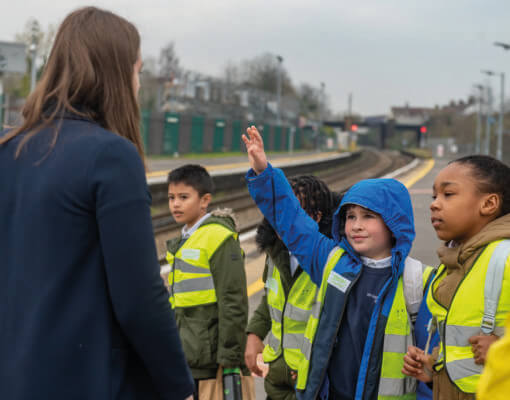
470,212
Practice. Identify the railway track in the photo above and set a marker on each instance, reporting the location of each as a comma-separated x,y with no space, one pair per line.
368,164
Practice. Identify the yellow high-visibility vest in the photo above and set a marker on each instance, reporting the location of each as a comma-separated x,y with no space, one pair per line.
288,315
393,384
467,316
190,279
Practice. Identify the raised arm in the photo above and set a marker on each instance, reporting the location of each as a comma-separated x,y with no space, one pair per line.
276,200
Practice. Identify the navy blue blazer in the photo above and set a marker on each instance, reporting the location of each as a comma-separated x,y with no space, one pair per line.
84,313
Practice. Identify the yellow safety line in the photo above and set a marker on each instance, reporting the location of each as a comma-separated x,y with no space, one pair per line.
259,285
255,287
415,177
211,168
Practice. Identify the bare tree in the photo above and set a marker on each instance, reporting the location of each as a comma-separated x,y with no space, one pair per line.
261,72
169,62
43,39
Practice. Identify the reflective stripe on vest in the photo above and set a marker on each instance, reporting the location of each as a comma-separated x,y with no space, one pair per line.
464,318
288,314
393,384
190,279
313,320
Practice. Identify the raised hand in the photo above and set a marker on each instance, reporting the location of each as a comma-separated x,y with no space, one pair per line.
255,148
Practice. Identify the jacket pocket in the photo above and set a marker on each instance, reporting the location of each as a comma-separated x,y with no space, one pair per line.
197,343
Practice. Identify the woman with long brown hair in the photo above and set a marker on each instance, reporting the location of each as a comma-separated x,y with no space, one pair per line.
83,311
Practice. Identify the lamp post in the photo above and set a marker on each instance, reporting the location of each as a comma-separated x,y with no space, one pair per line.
279,90
479,120
488,120
504,46
499,150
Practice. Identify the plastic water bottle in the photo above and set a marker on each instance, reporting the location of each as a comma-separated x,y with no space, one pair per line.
232,389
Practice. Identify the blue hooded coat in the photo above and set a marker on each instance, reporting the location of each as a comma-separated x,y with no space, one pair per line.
388,198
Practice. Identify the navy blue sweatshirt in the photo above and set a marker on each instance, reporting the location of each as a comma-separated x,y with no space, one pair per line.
83,311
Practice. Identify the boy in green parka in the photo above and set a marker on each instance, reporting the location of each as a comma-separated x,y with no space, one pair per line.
207,281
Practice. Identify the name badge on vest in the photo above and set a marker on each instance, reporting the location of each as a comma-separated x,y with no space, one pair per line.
190,254
338,281
272,285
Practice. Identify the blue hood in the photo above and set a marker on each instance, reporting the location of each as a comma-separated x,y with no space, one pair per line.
388,198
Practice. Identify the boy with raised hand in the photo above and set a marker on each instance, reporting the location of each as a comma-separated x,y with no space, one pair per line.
207,281
360,326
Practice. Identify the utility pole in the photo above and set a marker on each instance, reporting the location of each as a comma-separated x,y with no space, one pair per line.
479,120
506,47
488,121
279,90
499,151
487,148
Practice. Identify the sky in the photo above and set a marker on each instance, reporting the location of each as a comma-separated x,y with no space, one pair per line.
385,52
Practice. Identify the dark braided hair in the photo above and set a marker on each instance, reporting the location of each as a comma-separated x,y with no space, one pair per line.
316,199
492,176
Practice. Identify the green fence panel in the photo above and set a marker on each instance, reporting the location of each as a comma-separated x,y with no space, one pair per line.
145,128
277,138
219,133
236,135
171,133
197,134
298,140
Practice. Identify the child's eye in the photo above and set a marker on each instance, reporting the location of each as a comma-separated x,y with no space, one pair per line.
434,197
350,217
447,194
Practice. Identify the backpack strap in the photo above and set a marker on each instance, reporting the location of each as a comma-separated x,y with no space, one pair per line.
493,282
413,283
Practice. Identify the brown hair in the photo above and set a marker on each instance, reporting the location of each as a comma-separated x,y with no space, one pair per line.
89,73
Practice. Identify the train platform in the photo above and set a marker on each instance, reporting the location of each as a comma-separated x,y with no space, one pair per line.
217,165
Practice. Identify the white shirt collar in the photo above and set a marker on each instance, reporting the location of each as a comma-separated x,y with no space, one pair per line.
187,232
382,263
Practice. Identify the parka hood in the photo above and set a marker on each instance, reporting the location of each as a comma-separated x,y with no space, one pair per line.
388,198
222,216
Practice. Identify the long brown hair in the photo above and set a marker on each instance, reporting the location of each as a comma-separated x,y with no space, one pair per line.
89,73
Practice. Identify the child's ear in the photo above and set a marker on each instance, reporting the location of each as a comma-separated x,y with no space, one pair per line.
491,204
205,200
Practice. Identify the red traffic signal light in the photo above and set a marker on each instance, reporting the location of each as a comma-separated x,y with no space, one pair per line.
423,129
354,128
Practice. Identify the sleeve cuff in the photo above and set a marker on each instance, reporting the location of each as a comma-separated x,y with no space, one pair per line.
251,175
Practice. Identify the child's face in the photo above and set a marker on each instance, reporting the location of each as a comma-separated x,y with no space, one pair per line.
367,233
185,203
455,208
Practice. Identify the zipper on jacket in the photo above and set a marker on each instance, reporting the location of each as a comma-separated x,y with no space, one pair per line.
336,330
371,350
376,324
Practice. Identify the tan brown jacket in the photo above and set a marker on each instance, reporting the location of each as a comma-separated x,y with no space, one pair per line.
458,261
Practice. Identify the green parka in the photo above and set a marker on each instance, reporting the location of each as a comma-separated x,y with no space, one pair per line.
214,334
